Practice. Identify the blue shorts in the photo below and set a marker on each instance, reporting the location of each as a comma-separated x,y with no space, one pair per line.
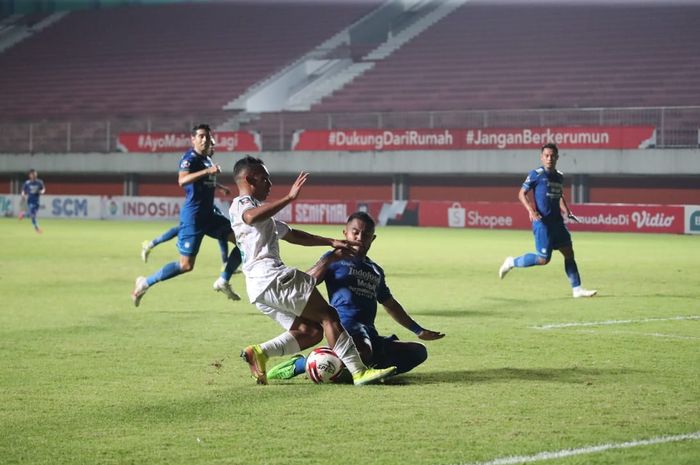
32,208
190,236
378,343
548,237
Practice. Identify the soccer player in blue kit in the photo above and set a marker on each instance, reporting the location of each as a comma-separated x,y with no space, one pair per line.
172,233
355,285
547,183
147,246
197,175
32,190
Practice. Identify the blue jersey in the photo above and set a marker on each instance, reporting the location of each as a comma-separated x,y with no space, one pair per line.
354,287
547,187
199,195
33,190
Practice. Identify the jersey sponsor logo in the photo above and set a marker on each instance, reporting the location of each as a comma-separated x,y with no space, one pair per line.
245,202
184,164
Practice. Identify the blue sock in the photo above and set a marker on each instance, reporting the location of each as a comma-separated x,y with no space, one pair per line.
523,261
170,270
223,247
572,272
36,226
233,262
299,366
166,236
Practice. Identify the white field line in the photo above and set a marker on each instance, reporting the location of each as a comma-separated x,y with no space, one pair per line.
613,322
513,460
635,333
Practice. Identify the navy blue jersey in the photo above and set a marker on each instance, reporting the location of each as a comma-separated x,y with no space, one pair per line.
354,287
547,187
199,195
33,190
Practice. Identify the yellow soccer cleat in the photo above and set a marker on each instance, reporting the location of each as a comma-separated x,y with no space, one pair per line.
256,359
372,375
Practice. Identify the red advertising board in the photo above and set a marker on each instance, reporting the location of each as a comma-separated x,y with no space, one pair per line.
629,218
152,142
337,212
594,217
593,137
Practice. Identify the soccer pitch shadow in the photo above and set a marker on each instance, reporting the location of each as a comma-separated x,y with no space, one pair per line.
575,375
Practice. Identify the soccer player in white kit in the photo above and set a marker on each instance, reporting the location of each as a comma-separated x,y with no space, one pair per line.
287,295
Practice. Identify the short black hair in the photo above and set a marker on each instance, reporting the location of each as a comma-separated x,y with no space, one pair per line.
200,126
362,216
552,146
244,164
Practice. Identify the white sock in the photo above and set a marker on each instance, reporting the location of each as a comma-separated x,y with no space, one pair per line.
284,344
345,350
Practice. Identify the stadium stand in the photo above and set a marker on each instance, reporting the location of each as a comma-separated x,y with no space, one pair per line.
77,83
536,56
158,59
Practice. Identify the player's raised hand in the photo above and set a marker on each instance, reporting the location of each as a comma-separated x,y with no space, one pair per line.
350,247
296,187
339,254
429,335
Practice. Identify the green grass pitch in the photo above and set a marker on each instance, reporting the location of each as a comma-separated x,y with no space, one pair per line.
85,378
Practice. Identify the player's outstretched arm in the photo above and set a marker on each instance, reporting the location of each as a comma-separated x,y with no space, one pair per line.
299,237
268,210
397,312
318,271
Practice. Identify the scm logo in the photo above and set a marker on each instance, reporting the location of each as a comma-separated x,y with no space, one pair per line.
69,207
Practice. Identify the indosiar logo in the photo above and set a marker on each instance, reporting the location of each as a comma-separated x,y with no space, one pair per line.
695,221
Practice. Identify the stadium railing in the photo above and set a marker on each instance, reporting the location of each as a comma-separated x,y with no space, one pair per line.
677,127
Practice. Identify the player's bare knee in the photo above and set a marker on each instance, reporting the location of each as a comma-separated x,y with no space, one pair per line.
420,353
542,260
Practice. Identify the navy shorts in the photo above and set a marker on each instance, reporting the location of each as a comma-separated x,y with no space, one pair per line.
190,236
380,358
548,237
33,208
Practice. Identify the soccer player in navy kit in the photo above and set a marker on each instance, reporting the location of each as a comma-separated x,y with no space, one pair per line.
355,285
147,246
547,183
172,233
31,192
197,175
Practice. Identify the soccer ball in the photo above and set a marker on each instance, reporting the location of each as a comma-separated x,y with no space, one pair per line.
323,365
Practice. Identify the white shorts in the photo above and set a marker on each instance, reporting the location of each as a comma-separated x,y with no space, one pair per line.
286,296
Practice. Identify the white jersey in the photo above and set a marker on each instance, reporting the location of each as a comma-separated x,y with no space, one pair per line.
259,246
